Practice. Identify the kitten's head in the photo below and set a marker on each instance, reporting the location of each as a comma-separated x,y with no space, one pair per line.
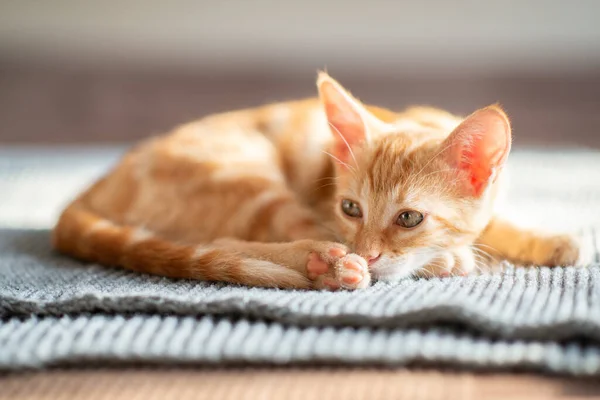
406,191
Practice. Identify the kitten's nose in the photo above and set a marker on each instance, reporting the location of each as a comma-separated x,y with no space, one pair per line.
372,257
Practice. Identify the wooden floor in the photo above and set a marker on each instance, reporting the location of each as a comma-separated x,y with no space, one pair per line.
61,104
278,384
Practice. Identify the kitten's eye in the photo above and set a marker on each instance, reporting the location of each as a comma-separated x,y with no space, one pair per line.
351,209
409,219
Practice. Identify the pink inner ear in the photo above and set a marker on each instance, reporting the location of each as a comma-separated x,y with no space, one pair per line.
346,122
480,145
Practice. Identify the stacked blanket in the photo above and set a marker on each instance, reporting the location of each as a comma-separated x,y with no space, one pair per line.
57,311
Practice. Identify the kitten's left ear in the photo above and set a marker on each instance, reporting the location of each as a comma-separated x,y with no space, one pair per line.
349,120
479,146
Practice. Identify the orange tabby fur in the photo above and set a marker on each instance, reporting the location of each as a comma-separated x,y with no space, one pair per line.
253,197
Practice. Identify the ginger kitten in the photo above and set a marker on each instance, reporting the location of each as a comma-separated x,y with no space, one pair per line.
321,194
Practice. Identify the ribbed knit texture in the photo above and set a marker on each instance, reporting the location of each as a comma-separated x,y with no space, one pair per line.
35,342
541,303
56,311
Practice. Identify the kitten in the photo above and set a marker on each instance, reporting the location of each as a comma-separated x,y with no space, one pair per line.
321,194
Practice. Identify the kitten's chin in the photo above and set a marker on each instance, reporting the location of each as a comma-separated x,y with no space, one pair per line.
391,275
395,269
392,270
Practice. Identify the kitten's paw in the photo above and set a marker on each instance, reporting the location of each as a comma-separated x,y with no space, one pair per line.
352,272
333,269
323,258
458,261
559,250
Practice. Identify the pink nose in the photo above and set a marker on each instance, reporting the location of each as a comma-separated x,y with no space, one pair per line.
371,258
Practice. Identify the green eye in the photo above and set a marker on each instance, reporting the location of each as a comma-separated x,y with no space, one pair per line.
409,219
351,208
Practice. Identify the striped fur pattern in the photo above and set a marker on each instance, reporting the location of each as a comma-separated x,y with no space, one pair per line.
254,197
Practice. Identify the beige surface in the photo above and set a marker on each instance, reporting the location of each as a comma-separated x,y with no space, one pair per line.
267,384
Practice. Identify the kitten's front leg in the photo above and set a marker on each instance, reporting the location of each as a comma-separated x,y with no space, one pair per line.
328,265
530,247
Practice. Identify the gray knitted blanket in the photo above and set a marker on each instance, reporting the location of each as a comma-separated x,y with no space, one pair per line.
56,311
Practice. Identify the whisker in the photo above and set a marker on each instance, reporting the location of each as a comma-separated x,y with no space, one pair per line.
437,172
436,155
428,271
340,161
335,178
324,186
480,251
477,245
345,142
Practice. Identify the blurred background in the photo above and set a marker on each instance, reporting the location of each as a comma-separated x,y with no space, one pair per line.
105,72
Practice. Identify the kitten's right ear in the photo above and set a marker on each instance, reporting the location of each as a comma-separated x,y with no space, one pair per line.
347,118
479,147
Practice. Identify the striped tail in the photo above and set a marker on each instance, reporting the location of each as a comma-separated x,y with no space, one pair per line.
84,235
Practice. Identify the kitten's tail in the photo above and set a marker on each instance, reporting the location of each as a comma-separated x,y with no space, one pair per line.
84,235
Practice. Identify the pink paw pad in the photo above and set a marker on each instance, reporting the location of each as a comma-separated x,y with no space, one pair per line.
316,266
337,252
353,265
351,278
331,284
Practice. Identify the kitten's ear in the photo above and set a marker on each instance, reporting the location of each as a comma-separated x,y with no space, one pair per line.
479,146
347,117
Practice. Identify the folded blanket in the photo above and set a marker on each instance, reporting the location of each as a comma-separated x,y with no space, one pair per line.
55,310
516,303
88,340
